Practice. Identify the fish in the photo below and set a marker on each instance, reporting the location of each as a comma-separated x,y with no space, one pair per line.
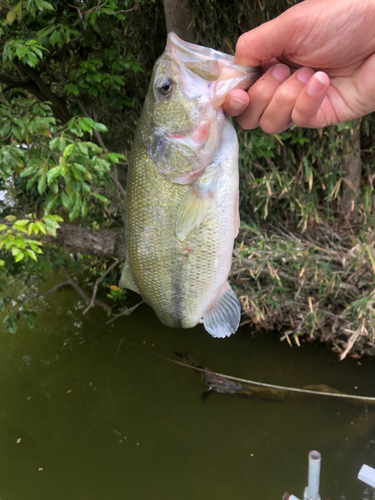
181,206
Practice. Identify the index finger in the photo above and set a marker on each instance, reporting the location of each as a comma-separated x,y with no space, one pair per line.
261,44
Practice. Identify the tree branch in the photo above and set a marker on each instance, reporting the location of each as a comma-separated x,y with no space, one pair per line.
97,283
59,107
96,133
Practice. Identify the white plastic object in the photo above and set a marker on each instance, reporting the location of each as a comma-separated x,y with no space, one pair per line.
367,475
312,490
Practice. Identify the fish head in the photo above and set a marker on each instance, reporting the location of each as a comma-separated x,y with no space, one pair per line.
183,107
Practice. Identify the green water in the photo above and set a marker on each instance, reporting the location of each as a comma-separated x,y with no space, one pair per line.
105,418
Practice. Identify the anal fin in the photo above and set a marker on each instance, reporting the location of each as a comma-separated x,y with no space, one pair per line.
193,208
126,280
223,318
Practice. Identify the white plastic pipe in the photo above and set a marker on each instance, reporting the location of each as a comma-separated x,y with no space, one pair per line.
312,489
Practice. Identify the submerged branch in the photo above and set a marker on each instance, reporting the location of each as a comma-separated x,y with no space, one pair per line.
70,281
127,312
270,386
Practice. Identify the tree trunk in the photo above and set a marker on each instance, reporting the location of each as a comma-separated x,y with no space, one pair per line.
105,243
352,168
178,19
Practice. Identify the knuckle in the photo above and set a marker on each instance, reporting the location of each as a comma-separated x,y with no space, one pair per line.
268,126
242,44
246,123
302,121
285,97
271,126
261,92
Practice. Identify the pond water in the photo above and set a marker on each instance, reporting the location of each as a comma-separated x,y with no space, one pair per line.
90,412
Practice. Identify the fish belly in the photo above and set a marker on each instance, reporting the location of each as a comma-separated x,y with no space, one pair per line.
180,279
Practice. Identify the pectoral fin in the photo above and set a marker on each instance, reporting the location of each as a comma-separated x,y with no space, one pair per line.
193,208
224,316
126,280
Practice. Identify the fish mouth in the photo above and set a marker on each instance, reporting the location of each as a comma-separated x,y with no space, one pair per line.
192,52
209,63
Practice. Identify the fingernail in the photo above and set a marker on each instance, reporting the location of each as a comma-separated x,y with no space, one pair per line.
304,74
280,72
236,104
317,83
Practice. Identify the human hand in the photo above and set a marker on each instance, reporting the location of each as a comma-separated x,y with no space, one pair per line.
337,39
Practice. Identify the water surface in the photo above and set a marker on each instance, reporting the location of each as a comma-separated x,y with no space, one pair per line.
90,412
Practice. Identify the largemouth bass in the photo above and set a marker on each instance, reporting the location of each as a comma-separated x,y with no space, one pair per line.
182,193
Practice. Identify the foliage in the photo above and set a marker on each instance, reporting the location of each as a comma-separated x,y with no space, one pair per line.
63,70
300,263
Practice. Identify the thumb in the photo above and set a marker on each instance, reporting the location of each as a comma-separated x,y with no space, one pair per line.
262,43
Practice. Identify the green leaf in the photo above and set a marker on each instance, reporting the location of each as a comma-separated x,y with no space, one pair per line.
5,129
54,186
21,222
30,7
31,59
48,6
54,37
68,150
41,227
81,146
27,171
65,199
86,188
75,212
17,8
101,198
53,143
16,132
20,256
50,203
42,184
11,16
31,254
76,174
39,4
84,208
53,173
100,127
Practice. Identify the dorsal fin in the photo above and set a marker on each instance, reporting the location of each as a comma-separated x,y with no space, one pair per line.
224,316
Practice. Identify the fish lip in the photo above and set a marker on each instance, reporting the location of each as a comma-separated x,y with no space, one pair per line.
179,134
193,50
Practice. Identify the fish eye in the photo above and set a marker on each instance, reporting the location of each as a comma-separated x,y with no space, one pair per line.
165,86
